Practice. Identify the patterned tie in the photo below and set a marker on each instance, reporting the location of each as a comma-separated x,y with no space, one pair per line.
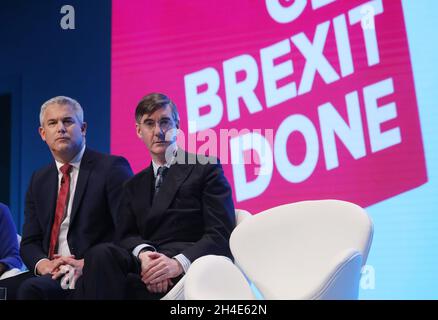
161,174
61,204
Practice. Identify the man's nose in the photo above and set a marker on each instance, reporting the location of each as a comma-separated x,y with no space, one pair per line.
61,127
157,130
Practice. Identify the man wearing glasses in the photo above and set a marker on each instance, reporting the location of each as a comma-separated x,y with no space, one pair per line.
178,209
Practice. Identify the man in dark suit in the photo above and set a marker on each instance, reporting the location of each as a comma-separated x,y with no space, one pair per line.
70,205
173,212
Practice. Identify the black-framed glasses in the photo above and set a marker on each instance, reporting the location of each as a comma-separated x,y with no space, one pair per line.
164,124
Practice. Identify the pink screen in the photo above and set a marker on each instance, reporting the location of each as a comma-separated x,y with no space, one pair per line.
299,99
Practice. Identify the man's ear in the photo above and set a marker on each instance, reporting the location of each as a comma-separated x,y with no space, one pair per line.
42,133
84,128
138,130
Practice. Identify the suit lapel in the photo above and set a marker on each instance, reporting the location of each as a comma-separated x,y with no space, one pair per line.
49,197
86,166
146,187
142,197
174,178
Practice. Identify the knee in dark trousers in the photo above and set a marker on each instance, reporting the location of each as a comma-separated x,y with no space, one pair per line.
13,283
105,254
105,269
41,288
99,253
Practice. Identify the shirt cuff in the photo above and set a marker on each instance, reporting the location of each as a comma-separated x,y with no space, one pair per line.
36,265
182,259
140,247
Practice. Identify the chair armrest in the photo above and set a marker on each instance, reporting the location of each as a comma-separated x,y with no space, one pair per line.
177,292
343,282
214,277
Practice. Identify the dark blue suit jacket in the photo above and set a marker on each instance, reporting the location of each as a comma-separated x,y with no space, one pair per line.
192,214
95,204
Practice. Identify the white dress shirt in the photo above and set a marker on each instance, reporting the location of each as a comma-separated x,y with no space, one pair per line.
63,248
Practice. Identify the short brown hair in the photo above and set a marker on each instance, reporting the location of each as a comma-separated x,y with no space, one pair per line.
152,102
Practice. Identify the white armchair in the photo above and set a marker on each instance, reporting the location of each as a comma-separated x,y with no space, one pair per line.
305,250
242,215
216,278
177,292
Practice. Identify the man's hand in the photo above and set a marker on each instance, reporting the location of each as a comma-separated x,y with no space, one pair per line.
160,287
77,265
49,266
145,258
70,271
160,268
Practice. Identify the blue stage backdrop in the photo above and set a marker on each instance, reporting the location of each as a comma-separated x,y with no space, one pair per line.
38,60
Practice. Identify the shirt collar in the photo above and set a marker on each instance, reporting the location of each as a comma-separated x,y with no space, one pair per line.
75,162
155,166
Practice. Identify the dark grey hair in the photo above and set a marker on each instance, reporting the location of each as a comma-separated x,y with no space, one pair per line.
152,102
62,100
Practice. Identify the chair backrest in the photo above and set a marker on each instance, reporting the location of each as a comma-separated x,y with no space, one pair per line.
300,250
241,215
214,277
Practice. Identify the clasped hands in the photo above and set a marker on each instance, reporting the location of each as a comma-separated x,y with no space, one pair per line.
66,267
157,270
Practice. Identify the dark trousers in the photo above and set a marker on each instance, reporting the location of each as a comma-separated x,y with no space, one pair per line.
112,273
26,286
13,283
42,288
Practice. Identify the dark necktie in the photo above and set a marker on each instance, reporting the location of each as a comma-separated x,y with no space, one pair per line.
61,204
161,174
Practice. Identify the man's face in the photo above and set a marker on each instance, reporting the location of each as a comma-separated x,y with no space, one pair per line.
157,131
62,131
